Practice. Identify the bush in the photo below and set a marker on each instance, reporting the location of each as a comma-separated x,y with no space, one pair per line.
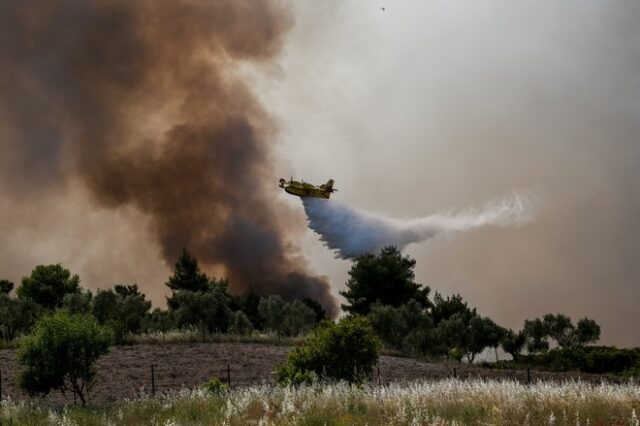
60,354
347,351
215,387
240,324
610,360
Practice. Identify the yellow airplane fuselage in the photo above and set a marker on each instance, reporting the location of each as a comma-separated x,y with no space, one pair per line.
303,189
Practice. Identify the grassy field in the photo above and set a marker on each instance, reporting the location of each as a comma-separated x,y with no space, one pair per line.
446,402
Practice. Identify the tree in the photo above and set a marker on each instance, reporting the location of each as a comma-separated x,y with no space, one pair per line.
454,335
240,324
60,354
388,323
78,303
158,321
347,351
536,334
5,287
248,303
105,305
482,333
443,309
47,285
387,278
123,309
297,318
513,343
187,275
407,327
587,331
559,328
321,314
208,310
17,316
286,319
270,309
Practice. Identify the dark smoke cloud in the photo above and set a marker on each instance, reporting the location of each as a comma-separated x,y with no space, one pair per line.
142,102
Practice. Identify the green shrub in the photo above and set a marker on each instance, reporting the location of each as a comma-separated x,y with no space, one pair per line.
347,351
216,387
610,360
60,354
565,359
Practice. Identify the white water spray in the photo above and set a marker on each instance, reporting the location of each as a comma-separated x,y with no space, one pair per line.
352,232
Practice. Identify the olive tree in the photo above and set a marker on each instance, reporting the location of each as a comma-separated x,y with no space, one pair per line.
61,352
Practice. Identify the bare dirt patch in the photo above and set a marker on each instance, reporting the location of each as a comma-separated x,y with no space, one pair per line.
125,372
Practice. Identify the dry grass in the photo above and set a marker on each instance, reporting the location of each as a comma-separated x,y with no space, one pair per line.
446,402
194,336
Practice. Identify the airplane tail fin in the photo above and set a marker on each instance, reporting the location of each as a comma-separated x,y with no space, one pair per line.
328,186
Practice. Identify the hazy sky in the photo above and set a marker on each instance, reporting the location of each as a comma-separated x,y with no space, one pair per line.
432,105
425,107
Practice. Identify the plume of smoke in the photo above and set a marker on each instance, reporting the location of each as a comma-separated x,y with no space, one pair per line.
351,232
141,101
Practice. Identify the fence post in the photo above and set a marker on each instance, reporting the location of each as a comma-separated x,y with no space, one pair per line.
0,385
153,382
228,375
528,376
455,373
379,380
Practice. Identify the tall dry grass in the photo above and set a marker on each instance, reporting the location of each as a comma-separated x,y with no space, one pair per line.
448,402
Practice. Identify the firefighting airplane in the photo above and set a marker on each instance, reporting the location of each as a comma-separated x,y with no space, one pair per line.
304,189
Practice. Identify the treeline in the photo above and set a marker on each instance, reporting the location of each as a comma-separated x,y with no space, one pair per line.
383,288
196,302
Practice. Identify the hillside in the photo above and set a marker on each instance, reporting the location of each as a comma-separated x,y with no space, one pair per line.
126,371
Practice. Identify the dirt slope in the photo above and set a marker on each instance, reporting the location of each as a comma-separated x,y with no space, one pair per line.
126,370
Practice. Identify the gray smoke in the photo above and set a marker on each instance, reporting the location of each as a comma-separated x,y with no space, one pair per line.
351,232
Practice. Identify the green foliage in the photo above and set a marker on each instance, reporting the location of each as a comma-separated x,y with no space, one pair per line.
389,324
482,333
286,319
316,307
270,310
248,303
587,331
78,303
122,309
587,359
297,318
47,285
611,360
216,387
387,278
408,327
452,333
17,316
536,333
559,328
208,310
513,343
443,309
158,321
60,354
240,324
5,287
347,351
187,275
